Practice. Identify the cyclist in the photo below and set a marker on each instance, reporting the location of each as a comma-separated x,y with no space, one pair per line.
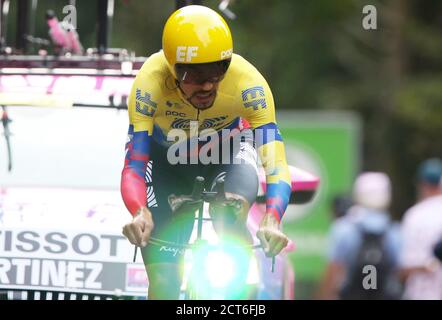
196,83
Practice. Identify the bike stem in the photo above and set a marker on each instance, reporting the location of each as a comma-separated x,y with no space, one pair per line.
200,221
198,189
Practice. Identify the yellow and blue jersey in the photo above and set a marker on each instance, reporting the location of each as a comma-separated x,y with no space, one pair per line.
156,106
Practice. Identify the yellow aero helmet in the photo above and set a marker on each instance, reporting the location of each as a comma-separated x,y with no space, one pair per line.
194,35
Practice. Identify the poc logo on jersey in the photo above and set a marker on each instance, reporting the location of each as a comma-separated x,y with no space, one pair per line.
226,54
176,114
185,54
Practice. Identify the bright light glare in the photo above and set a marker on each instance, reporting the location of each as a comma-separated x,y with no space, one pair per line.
253,274
220,268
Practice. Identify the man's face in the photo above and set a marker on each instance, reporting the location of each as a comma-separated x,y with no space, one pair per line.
201,95
200,82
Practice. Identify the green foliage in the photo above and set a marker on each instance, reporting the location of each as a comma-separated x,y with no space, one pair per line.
420,104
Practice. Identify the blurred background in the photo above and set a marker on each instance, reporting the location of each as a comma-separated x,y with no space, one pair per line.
348,99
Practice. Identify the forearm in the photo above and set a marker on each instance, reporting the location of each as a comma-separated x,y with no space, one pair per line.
277,196
133,191
271,151
278,186
133,184
406,272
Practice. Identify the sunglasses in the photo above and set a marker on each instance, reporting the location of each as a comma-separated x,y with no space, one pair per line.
201,73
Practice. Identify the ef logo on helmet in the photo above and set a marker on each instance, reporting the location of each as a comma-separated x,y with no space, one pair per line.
185,54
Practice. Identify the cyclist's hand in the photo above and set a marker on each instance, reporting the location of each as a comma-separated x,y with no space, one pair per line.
272,239
138,231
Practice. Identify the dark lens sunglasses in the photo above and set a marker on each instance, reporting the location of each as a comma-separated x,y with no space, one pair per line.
200,73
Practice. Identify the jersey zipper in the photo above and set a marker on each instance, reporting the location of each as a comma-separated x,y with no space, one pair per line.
198,121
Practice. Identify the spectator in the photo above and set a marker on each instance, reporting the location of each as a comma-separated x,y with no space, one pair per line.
422,229
366,229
